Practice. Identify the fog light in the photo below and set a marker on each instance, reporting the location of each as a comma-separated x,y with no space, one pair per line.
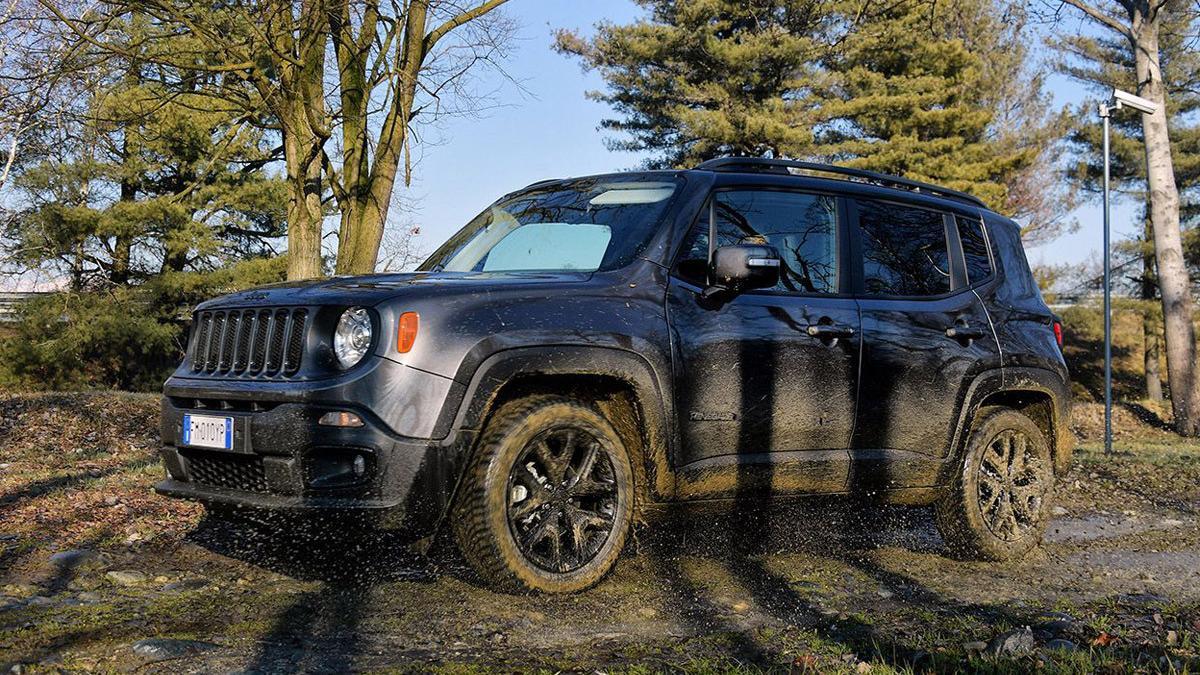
326,468
340,419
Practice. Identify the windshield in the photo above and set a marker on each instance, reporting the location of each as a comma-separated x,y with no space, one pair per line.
580,225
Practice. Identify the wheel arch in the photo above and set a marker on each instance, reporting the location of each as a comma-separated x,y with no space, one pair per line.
623,384
1037,393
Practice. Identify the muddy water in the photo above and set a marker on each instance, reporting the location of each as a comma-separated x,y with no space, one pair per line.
825,574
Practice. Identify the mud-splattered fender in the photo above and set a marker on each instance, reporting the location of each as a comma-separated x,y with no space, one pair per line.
1013,385
626,363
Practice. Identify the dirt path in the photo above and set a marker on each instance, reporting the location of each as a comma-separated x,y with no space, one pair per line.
96,573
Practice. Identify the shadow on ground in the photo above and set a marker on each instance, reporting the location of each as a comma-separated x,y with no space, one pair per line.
694,560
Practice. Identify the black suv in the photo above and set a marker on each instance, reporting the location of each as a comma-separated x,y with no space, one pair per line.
588,347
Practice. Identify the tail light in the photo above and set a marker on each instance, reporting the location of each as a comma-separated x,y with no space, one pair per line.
1058,334
406,332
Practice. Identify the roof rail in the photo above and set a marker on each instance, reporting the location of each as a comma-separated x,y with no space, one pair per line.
762,164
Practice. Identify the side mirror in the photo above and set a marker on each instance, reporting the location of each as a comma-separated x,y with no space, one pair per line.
742,267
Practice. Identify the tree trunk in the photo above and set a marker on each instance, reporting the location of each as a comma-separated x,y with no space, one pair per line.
304,213
1151,325
77,268
370,197
362,229
1168,248
1154,390
123,246
304,123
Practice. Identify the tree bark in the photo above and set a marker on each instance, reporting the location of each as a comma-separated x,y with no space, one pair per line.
1151,325
123,243
304,213
1164,217
304,121
369,197
1154,390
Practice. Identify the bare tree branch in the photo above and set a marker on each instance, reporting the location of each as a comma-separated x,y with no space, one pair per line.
1095,14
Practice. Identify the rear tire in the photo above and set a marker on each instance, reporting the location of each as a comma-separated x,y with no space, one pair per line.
546,503
999,503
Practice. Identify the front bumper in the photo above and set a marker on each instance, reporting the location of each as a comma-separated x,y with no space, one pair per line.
281,461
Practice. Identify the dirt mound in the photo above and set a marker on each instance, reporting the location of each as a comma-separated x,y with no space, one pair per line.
1130,420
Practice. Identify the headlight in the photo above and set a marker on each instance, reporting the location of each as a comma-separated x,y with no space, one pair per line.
352,338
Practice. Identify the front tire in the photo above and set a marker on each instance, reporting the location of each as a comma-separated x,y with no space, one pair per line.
999,503
547,501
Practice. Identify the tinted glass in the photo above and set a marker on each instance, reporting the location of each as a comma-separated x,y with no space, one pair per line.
904,250
975,250
802,227
579,225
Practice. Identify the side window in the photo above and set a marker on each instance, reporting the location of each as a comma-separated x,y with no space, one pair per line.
802,227
904,250
975,249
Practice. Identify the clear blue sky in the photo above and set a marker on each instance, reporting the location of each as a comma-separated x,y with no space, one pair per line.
551,130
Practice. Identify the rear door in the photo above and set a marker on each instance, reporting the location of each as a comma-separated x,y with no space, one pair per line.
926,335
766,380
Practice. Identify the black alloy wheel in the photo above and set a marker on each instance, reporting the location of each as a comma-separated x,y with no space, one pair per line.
1011,486
562,496
998,505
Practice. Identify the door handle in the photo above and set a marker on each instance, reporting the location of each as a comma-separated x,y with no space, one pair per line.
828,331
964,332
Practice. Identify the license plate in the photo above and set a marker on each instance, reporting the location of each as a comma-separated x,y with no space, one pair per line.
203,431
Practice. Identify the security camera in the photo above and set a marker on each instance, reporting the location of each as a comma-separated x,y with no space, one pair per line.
1124,98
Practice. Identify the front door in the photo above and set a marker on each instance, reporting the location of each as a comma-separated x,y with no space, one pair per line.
926,335
766,380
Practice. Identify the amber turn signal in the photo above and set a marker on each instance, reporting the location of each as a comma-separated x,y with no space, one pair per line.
406,332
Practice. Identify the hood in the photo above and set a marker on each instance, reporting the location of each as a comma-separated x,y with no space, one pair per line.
373,289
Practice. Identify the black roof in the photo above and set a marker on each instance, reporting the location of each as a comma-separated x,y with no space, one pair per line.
786,166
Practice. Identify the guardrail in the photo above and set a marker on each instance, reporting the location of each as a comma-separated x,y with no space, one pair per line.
10,301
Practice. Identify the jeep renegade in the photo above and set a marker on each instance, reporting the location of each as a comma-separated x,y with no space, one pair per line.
588,347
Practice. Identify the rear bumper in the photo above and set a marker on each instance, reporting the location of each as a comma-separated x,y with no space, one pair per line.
283,460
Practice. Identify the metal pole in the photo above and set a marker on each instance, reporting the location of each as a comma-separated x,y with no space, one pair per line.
1105,110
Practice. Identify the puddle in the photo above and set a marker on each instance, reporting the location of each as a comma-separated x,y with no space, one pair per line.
1178,568
1100,526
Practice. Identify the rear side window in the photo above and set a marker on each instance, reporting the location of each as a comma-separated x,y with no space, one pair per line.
802,227
904,250
975,249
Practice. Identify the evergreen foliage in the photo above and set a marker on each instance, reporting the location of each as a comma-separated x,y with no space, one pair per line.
942,92
118,337
145,180
145,198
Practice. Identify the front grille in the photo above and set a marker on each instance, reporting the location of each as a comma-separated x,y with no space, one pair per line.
249,342
223,404
231,472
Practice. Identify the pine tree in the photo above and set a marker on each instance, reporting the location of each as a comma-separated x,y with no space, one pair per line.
144,184
343,81
703,79
943,92
1143,28
1103,62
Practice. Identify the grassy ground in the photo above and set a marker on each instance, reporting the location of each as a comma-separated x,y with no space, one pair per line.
98,573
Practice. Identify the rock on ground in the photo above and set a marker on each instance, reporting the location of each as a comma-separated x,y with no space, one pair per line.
157,649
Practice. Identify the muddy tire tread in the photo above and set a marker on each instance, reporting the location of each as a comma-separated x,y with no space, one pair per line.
963,532
476,541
